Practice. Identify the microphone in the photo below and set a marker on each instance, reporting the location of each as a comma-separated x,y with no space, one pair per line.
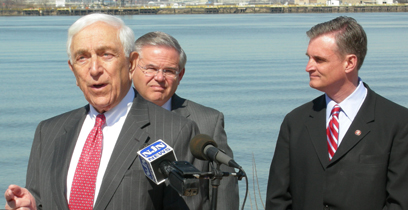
204,147
159,163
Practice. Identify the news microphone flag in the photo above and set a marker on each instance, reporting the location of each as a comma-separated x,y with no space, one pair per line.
151,156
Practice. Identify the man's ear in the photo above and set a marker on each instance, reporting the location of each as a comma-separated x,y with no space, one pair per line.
72,69
133,61
70,66
350,63
181,74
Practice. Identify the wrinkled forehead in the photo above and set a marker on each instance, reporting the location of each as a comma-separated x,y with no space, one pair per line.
98,35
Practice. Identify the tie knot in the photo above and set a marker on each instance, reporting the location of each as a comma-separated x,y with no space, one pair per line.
100,120
336,110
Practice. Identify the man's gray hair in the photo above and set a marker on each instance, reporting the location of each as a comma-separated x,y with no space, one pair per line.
350,36
126,35
159,38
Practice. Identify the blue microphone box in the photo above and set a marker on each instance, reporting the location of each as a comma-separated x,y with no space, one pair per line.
151,157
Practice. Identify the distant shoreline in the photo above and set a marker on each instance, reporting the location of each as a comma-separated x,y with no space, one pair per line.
220,9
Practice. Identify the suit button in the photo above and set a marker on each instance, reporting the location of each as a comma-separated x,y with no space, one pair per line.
326,207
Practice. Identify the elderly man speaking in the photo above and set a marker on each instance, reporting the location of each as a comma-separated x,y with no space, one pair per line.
86,158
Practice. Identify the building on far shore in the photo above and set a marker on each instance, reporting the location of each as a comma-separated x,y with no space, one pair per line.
60,3
344,2
96,4
333,3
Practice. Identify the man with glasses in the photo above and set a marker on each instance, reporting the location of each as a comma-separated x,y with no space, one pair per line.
160,68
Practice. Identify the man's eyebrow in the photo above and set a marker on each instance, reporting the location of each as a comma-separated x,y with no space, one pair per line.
316,57
172,68
104,48
156,66
79,52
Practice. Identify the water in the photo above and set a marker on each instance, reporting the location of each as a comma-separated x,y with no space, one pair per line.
249,66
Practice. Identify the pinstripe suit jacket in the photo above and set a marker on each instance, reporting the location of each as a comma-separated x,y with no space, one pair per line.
124,185
211,122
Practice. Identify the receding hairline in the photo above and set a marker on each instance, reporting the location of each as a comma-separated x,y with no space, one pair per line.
161,46
333,34
82,50
158,46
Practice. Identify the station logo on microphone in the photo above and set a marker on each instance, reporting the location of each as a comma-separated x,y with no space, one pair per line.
150,154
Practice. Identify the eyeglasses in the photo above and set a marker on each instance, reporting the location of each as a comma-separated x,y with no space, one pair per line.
152,71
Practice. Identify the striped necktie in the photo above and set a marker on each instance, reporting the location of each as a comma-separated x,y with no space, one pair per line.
332,131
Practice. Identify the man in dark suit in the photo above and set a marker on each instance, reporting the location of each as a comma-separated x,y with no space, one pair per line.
101,58
355,157
161,66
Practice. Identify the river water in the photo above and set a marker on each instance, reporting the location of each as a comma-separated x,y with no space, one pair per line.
249,66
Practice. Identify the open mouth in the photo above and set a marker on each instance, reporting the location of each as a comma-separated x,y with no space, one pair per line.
99,86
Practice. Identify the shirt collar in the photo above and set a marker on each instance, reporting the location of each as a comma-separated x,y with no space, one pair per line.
120,110
351,104
167,105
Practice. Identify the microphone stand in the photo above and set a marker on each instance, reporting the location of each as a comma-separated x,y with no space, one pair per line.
215,182
216,175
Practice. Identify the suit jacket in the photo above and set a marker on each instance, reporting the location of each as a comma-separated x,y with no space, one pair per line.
369,170
211,122
124,185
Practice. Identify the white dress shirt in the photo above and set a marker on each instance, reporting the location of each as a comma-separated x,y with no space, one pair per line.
115,119
349,109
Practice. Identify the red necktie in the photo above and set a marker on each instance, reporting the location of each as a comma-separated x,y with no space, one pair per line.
83,185
332,131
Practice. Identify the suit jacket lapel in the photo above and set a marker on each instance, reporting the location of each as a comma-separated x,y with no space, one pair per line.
358,128
131,139
317,129
179,106
64,147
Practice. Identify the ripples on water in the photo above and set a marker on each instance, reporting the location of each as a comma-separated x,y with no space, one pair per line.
250,67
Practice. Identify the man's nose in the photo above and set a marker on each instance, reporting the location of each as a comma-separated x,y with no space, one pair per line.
159,75
309,65
96,67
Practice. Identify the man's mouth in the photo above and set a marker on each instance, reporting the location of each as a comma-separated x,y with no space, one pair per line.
99,86
157,87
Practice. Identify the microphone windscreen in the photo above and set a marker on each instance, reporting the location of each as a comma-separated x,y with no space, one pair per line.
198,143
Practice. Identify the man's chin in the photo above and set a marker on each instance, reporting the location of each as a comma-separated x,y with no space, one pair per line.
103,105
314,85
311,84
156,98
158,102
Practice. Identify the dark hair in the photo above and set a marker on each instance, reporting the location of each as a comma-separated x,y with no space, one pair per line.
159,38
350,36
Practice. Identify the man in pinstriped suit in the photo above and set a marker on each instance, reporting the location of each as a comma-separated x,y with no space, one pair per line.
160,54
100,52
